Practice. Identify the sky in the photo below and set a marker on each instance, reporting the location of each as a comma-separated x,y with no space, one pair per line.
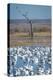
32,11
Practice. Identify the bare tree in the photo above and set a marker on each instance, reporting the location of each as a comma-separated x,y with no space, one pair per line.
29,21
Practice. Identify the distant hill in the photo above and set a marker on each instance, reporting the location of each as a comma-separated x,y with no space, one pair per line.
42,21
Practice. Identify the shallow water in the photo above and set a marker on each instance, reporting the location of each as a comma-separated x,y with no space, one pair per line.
29,60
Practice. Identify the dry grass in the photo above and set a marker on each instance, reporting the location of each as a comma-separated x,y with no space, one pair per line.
39,38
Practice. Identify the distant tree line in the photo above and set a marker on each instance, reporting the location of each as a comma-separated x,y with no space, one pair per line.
42,29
